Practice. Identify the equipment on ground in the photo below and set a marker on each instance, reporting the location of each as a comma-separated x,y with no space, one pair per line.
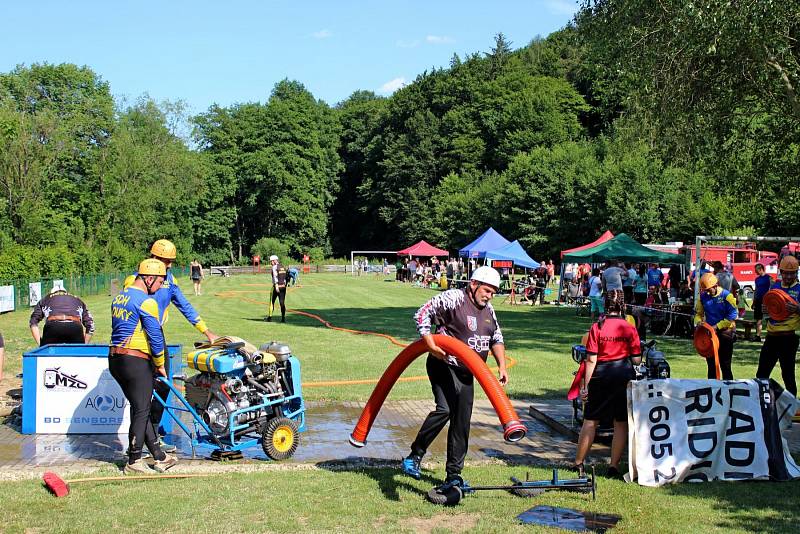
242,397
451,493
60,487
654,364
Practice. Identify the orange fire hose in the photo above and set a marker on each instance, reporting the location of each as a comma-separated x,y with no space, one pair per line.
513,429
706,343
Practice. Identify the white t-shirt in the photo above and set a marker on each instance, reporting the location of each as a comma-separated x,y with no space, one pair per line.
595,286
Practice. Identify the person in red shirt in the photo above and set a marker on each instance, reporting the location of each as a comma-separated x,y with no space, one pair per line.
613,343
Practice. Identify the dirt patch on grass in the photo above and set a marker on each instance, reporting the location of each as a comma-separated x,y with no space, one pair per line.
448,522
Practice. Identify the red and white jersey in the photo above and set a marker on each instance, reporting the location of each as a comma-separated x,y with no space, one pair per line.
613,338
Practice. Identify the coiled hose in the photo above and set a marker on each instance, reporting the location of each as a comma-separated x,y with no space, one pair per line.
513,429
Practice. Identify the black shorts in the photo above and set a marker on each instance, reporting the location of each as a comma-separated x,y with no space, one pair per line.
758,312
607,397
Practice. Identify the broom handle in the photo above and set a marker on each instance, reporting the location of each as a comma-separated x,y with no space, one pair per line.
137,477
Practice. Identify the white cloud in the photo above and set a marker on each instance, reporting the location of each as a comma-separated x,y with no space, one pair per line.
438,39
393,85
408,44
562,7
322,34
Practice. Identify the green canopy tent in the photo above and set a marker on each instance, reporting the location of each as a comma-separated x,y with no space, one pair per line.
623,248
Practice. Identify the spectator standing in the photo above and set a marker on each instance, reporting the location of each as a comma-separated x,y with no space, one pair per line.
569,272
654,280
551,272
596,294
412,270
613,275
628,282
763,283
197,275
674,281
66,319
640,286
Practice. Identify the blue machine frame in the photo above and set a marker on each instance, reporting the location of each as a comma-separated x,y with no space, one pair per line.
291,406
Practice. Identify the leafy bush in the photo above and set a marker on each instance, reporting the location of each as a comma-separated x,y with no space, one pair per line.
267,246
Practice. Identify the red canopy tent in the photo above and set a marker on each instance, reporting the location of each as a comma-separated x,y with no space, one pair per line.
422,249
602,239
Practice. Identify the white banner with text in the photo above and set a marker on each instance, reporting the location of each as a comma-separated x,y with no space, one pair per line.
701,430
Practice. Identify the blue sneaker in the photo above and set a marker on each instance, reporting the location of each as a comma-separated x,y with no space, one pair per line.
411,466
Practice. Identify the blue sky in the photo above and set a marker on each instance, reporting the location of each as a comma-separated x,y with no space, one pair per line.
206,52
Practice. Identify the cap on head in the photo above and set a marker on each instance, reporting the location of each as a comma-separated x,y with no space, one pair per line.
152,267
707,281
164,249
273,258
486,275
788,263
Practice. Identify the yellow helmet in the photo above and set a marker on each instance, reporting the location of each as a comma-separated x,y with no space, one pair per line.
152,266
708,280
164,249
789,263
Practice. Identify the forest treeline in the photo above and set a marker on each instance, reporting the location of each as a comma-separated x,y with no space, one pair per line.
659,119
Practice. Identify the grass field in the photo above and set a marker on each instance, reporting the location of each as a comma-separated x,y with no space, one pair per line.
337,498
539,339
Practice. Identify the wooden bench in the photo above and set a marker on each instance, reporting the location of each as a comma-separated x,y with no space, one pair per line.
749,328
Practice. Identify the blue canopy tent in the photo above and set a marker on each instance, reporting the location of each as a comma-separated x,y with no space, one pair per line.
513,252
489,240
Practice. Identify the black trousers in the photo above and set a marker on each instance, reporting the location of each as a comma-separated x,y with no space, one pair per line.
135,377
726,338
280,294
781,349
157,409
453,392
62,332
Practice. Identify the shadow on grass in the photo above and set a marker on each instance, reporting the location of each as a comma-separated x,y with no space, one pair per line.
387,475
748,506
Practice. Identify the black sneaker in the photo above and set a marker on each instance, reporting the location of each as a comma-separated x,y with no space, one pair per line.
283,319
268,318
580,469
613,472
455,481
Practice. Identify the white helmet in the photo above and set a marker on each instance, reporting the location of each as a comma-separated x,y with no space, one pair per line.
273,257
486,275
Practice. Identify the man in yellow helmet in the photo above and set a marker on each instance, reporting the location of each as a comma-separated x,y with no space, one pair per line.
717,307
136,357
780,344
169,293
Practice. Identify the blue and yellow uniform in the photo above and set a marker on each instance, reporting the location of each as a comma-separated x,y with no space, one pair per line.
170,293
781,343
135,358
719,311
791,324
135,325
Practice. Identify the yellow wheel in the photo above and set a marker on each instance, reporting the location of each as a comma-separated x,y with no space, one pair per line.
280,438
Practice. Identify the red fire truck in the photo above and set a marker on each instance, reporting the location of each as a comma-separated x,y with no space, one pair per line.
741,258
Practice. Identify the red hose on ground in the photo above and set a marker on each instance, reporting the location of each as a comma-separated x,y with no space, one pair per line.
513,429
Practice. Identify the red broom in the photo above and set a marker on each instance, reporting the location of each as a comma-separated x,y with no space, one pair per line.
60,487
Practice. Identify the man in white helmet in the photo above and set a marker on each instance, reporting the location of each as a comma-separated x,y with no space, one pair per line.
466,315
